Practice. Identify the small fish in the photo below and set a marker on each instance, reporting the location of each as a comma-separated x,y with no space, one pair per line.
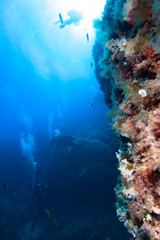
61,19
48,213
45,186
14,194
91,64
33,226
5,186
87,36
92,105
97,155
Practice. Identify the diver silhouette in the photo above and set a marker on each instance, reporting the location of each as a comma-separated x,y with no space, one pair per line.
74,18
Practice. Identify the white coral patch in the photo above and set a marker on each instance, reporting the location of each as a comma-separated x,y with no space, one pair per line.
125,171
142,92
129,192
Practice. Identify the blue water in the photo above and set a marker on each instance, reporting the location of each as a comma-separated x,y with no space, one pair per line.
57,149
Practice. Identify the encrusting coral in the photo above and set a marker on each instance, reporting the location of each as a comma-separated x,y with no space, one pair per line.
129,61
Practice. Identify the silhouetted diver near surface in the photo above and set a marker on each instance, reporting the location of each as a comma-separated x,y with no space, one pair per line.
87,36
74,17
61,19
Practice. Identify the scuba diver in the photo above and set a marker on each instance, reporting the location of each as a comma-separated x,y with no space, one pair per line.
40,209
37,204
87,36
61,19
74,17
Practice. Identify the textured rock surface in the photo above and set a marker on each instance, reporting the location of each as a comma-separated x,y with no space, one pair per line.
128,70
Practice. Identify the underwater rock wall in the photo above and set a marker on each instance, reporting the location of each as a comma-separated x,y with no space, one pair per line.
128,69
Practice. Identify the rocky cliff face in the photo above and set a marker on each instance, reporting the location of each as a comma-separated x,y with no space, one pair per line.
128,69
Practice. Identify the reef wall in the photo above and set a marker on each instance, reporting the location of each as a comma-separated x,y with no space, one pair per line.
127,66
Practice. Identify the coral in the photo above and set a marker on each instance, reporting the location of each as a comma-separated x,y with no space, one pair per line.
142,92
130,63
